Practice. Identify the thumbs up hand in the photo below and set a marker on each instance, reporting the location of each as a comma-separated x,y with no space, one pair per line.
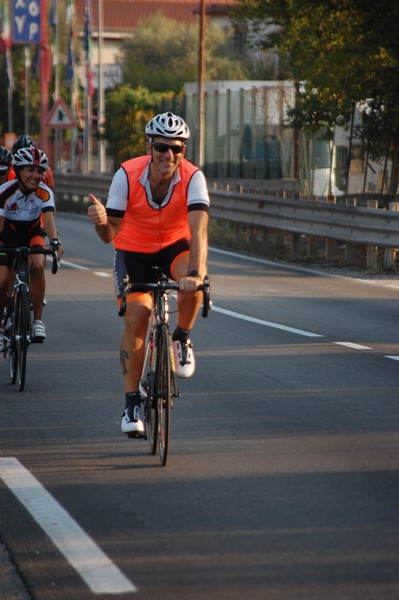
96,211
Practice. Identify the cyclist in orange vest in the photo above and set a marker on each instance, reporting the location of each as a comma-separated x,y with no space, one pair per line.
156,214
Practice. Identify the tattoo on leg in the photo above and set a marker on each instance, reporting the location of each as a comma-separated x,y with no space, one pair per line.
123,358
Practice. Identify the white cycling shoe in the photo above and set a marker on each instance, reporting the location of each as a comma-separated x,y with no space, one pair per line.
38,331
132,421
184,358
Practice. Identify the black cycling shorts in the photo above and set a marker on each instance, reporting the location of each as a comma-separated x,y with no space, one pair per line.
139,266
20,234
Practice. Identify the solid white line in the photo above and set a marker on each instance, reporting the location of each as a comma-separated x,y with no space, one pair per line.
95,568
354,346
393,357
236,315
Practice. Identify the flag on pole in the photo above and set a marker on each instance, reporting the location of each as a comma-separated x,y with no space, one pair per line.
87,48
54,32
5,30
70,18
5,42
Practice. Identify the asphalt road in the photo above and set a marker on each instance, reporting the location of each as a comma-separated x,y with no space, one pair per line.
282,480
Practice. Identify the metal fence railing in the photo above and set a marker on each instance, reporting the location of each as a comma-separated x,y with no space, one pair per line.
277,209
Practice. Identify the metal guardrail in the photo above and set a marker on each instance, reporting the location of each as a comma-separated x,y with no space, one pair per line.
280,210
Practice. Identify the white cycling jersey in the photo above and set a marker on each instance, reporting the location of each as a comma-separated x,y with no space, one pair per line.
17,206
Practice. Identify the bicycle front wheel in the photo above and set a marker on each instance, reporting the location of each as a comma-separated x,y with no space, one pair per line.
163,392
10,332
22,332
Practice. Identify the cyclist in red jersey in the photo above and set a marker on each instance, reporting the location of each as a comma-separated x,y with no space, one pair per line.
5,164
156,214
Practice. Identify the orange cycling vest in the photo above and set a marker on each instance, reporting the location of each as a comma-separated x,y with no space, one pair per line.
147,227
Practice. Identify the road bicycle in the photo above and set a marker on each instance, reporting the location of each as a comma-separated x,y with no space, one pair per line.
17,321
158,385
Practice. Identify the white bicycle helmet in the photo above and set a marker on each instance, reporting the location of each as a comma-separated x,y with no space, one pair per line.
168,125
30,156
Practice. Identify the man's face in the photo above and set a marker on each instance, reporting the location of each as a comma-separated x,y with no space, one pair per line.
31,177
166,154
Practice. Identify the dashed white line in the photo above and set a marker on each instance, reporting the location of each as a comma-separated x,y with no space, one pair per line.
92,564
352,345
74,265
236,315
253,319
101,274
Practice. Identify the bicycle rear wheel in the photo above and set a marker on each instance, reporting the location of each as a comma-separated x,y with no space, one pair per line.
163,392
22,332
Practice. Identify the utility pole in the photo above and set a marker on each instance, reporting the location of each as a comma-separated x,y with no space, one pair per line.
101,94
44,74
201,89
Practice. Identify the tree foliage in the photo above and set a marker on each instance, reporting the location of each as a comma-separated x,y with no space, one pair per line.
162,54
128,110
347,52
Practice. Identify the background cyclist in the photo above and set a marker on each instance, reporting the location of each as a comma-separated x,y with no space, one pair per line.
156,214
5,164
26,202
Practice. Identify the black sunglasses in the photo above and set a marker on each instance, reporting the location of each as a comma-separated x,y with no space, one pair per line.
162,148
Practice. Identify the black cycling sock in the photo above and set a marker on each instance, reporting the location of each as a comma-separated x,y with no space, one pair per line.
180,334
132,398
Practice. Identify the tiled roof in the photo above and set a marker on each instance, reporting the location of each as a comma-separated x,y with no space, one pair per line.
125,15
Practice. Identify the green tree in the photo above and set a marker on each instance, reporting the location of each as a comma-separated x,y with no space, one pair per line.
162,54
347,52
127,112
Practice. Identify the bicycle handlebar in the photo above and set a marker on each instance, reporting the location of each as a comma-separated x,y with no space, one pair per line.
163,285
34,250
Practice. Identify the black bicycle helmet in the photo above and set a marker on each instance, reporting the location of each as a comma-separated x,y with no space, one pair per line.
23,141
5,158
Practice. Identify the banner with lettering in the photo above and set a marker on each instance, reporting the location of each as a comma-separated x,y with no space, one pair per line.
26,21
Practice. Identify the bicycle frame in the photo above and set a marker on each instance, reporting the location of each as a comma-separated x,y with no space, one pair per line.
17,312
158,384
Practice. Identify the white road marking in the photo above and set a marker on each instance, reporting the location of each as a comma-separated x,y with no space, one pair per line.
354,346
260,321
92,564
101,274
236,315
74,265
